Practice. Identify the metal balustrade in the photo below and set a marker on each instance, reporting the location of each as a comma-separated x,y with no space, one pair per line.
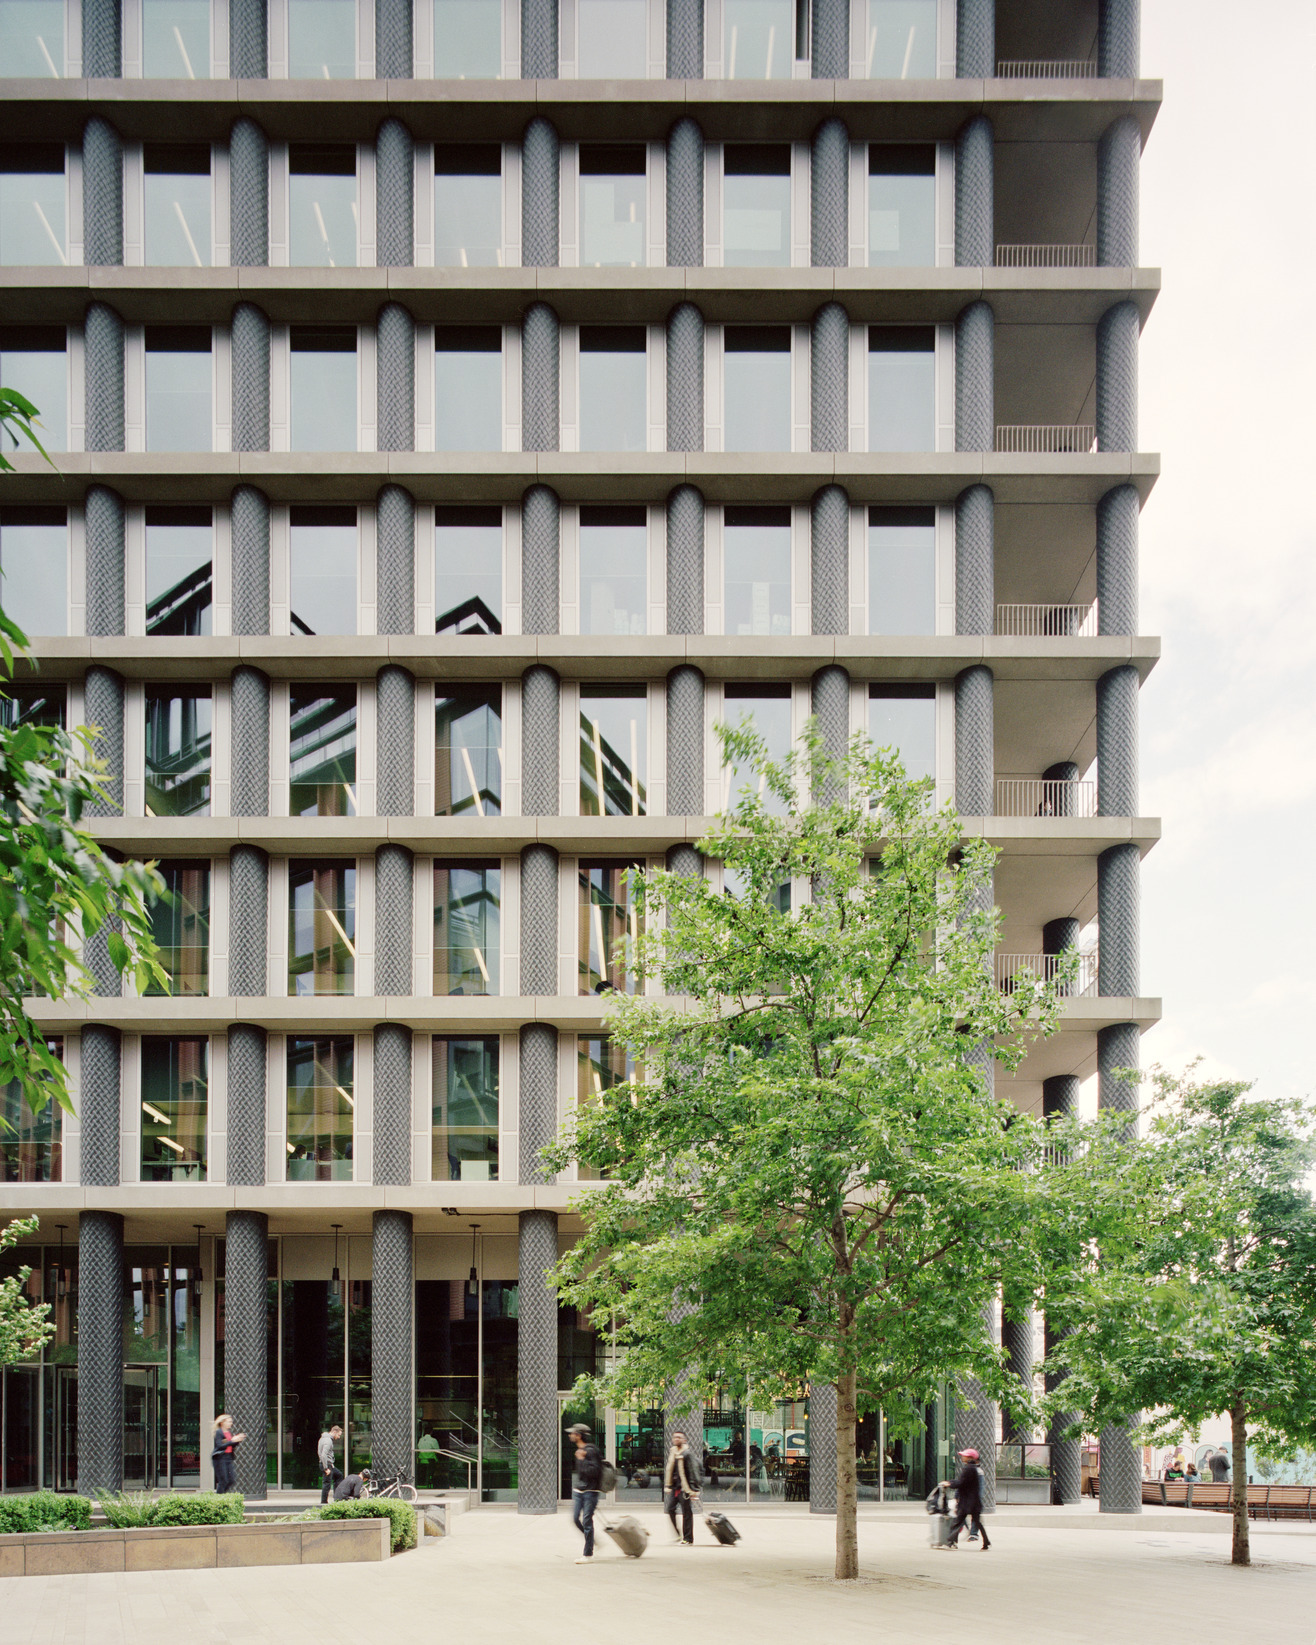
1036,622
1011,969
1044,797
1047,68
1046,256
1041,439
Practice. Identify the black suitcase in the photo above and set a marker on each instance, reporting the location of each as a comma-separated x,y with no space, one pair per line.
629,1535
722,1528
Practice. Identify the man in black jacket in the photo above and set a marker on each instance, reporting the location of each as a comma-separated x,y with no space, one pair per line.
586,1477
968,1500
682,1479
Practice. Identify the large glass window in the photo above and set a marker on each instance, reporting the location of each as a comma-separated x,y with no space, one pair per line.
176,201
614,750
321,928
756,388
468,570
601,1064
756,205
758,39
32,705
322,205
175,1089
467,944
178,725
902,195
612,39
468,752
902,40
322,569
903,719
902,571
180,924
176,39
323,388
180,412
610,928
613,185
33,204
32,38
614,559
468,388
179,580
31,1137
767,708
34,568
756,554
613,388
322,39
323,746
465,1110
468,39
34,362
321,1108
468,205
901,388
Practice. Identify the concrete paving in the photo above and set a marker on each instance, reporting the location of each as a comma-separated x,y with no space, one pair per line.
500,1577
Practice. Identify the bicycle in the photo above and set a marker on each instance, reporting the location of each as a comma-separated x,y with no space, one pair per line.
394,1486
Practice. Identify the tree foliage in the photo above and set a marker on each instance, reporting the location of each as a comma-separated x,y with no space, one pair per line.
19,418
25,1327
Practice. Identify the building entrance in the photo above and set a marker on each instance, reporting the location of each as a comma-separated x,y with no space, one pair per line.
144,1424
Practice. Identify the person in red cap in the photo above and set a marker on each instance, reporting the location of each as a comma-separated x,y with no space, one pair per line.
968,1501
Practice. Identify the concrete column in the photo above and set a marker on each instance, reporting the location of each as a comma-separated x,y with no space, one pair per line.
249,787
248,936
829,55
1117,378
541,187
685,379
685,194
975,1427
975,378
829,386
539,921
103,695
1060,937
248,36
395,377
540,713
536,1343
395,563
830,705
1118,158
685,39
1118,871
395,175
249,371
100,1347
685,742
1017,1326
246,1343
975,39
250,520
249,183
392,1162
395,730
393,43
1063,772
975,194
830,561
975,561
394,921
1117,561
102,186
540,370
1118,1049
246,1106
101,1122
685,561
103,401
392,1344
102,40
1119,27
830,193
1117,742
539,45
822,1448
975,742
685,861
1060,1101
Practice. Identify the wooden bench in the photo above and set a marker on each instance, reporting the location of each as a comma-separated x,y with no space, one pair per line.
1287,1501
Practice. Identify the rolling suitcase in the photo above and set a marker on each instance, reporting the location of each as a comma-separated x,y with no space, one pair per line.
722,1528
939,1530
629,1535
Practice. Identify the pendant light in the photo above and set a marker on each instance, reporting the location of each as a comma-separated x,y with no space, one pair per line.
197,1275
473,1283
60,1284
336,1279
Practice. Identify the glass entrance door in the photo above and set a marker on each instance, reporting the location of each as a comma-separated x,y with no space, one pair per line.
143,1424
63,1467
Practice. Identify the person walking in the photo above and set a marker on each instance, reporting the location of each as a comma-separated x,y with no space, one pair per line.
586,1477
682,1480
968,1501
223,1444
329,1472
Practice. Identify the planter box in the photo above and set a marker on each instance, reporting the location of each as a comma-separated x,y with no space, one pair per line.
194,1547
1023,1490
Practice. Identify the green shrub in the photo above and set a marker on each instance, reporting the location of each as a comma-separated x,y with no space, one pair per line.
198,1508
126,1510
402,1514
44,1511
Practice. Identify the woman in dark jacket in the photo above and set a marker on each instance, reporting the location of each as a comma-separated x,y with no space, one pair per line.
223,1445
968,1500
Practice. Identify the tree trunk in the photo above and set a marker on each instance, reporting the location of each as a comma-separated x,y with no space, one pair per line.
847,1479
1238,1426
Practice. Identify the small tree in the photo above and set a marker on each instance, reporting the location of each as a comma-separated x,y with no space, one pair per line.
1205,1297
25,1327
808,1182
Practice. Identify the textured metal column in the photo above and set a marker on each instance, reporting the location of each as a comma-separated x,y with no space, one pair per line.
107,982
103,390
100,1107
541,188
250,520
829,215
248,40
1017,1327
540,538
1117,742
829,57
1117,1049
685,195
249,917
395,757
685,39
106,587
975,1428
540,371
685,861
393,45
537,1118
249,785
1117,561
395,568
100,1348
1118,157
829,383
540,721
829,538
683,1410
975,39
1118,873
247,1342
102,48
822,1448
395,181
1060,1101
975,742
830,705
685,742
685,379
539,39
539,920
104,710
249,192
102,194
536,1357
685,561
394,921
1119,28
975,194
395,380
392,1163
392,1341
975,561
246,1105
1117,378
1060,937
975,378
249,338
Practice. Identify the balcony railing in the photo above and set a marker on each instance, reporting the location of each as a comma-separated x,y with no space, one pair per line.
1010,969
1046,438
1044,256
1044,797
1047,68
1037,622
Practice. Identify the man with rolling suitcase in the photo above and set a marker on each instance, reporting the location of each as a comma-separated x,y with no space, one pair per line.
682,1480
586,1480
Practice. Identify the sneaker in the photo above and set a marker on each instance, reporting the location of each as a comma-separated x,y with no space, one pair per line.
585,1559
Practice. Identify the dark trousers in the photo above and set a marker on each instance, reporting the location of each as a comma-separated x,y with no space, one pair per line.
331,1481
681,1499
974,1518
226,1472
583,1504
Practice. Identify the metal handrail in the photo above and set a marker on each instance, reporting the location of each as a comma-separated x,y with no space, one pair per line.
1038,621
1046,256
1048,968
1044,797
456,1456
1042,438
1046,68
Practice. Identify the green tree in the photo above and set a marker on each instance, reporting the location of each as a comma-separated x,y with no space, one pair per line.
19,419
808,1181
1205,1297
25,1327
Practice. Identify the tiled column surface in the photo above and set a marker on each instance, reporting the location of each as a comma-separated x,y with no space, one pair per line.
685,195
975,39
251,554
103,344
1117,561
537,1421
1060,1100
540,709
249,176
395,377
540,372
539,45
100,1106
685,381
1119,25
829,386
249,344
975,561
395,710
685,39
246,1106
1061,937
829,538
1118,159
830,704
538,1112
540,541
830,43
102,40
392,1162
248,39
1117,742
1118,870
393,44
392,1345
104,710
975,194
822,1448
975,1428
685,561
540,194
1117,378
248,934
395,180
539,920
829,212
102,191
975,378
685,742
394,919
100,1351
686,861
975,733
246,1343
395,570
1017,1339
1117,1050
249,789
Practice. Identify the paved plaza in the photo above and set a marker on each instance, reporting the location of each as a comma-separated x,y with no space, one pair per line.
500,1577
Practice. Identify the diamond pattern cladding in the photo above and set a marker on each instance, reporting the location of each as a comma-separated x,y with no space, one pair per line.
685,861
975,39
540,372
249,193
536,1382
393,921
100,1107
830,561
395,378
830,194
830,383
1117,378
539,742
251,566
975,198
250,342
1117,742
392,1108
250,710
1066,1454
538,1117
830,55
1118,158
1118,871
1118,1046
539,39
106,572
246,1342
247,35
395,708
685,39
685,383
395,565
1017,1340
685,195
975,378
395,181
540,194
248,935
975,733
100,1350
1117,561
103,355
822,1448
1121,1471
1119,28
975,1428
975,561
539,920
104,707
831,708
393,40
685,742
685,561
392,1431
102,52
540,528
107,983
246,1106
102,194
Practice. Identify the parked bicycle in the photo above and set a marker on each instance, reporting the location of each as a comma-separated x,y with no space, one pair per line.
392,1485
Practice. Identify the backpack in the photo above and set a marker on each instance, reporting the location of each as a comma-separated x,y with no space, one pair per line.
607,1476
